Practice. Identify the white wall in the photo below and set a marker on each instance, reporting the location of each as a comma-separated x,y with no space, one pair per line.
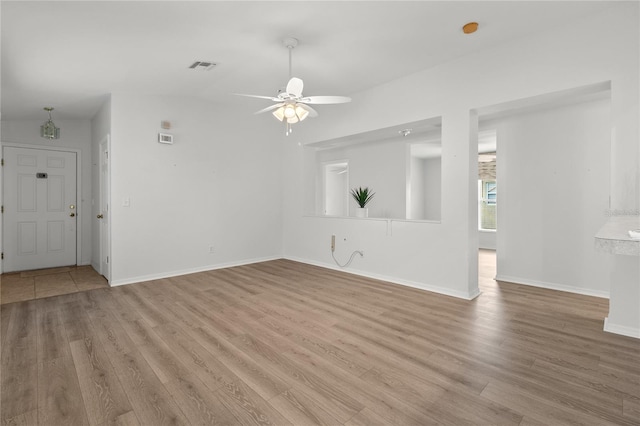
217,185
554,191
417,181
433,188
487,239
425,188
443,257
75,134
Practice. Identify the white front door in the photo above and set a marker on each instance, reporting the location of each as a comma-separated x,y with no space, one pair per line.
40,208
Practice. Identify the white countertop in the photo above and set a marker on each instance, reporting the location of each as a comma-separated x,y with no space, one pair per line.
614,237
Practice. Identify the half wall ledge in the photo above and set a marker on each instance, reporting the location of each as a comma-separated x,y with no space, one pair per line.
624,283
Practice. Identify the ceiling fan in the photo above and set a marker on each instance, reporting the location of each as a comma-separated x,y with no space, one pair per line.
291,106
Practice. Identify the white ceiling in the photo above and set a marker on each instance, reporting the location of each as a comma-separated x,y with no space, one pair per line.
70,55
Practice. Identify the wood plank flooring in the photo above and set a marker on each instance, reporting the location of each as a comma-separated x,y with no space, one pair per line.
285,343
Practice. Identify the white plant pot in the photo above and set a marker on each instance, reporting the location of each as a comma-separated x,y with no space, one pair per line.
362,212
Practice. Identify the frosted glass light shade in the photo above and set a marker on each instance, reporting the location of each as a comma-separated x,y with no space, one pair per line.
49,130
301,112
289,111
279,113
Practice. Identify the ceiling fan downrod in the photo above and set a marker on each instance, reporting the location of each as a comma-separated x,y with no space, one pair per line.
290,43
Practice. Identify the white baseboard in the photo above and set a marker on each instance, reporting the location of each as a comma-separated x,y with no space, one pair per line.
407,283
169,274
553,286
621,329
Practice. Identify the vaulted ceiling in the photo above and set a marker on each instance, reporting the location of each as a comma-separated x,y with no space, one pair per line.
71,55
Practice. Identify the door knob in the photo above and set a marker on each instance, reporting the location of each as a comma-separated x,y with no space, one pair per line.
100,216
72,214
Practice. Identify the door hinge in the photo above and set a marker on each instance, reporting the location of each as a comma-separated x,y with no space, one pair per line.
1,209
2,255
2,162
107,259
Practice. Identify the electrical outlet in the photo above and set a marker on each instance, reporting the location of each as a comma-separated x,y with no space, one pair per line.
333,243
212,249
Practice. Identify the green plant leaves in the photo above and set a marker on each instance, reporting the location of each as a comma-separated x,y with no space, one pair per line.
362,195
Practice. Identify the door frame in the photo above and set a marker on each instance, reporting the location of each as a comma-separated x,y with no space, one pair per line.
104,205
79,209
325,165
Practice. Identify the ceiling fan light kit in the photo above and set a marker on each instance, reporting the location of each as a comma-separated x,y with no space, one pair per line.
291,112
291,106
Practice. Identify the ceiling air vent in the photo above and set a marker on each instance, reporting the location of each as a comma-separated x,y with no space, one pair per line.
202,66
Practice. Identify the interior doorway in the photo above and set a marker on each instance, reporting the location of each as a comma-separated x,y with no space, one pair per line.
553,179
336,188
487,189
487,202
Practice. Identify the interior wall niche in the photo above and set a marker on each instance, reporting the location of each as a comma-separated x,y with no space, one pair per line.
401,164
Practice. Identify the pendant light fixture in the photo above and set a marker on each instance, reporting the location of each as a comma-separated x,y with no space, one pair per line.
49,130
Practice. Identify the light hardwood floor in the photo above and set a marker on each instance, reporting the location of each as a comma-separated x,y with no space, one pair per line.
286,343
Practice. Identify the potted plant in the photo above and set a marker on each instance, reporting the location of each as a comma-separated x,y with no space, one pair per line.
362,197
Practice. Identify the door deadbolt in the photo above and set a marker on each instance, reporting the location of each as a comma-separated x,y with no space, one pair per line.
72,214
100,216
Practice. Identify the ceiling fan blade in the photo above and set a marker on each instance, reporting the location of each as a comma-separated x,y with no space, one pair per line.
312,112
269,108
294,87
271,98
325,100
